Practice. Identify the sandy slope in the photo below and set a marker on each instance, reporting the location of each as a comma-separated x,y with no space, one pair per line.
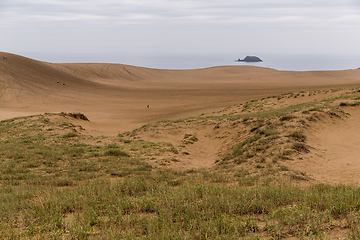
115,96
333,140
335,153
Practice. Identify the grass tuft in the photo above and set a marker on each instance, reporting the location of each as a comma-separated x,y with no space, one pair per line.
116,152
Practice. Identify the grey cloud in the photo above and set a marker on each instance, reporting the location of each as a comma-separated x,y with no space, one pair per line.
87,24
274,14
162,9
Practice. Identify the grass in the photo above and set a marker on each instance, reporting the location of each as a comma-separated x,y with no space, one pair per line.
275,132
146,208
265,137
54,184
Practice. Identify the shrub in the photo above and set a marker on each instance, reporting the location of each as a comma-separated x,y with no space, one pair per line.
174,150
116,152
284,168
300,147
69,135
349,104
298,136
286,118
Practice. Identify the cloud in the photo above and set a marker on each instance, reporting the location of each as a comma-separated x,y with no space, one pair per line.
173,11
176,24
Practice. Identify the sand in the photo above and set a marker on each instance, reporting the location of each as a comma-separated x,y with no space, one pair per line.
334,157
115,98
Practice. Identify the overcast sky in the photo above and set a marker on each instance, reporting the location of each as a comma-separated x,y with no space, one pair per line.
180,26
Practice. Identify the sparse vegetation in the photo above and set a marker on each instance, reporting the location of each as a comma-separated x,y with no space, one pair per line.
59,184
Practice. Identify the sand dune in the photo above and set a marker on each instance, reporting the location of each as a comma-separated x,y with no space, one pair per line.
307,137
115,96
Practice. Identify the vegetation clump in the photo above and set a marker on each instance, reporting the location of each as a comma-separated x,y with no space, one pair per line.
69,135
190,139
300,147
116,152
298,136
349,103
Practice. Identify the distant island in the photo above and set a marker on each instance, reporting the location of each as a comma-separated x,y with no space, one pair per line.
250,59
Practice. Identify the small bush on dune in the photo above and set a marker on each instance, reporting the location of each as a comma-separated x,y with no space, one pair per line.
300,147
298,136
286,118
69,135
352,104
116,152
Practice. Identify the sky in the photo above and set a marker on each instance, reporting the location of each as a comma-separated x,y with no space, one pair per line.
180,26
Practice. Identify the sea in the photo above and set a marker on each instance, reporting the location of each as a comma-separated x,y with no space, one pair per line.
286,62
